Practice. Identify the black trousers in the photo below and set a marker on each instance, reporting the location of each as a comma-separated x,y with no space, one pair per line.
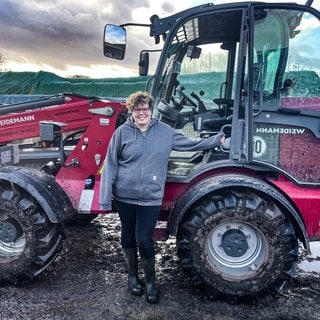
137,226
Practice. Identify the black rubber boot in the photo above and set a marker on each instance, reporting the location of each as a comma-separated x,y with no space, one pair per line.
134,284
152,293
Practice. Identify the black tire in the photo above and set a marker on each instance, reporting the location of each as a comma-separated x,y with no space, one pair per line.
37,243
237,245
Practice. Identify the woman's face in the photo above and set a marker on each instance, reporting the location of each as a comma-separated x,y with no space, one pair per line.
141,115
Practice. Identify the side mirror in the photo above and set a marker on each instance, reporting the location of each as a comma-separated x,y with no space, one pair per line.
114,42
143,63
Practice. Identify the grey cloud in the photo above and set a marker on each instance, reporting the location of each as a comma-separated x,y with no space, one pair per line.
57,19
168,6
59,33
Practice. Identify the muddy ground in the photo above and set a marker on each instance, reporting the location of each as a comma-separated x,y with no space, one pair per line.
88,281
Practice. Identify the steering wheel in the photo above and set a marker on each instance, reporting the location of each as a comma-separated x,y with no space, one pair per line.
186,97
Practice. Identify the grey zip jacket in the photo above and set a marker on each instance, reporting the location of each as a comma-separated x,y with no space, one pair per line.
135,166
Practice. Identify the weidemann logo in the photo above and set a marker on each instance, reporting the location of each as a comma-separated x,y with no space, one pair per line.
17,120
281,130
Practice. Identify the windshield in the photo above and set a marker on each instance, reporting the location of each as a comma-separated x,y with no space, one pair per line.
285,65
201,60
286,93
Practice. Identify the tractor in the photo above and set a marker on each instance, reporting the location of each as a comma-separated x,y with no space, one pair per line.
239,212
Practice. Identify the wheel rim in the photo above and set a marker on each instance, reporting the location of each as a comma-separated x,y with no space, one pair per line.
12,249
17,244
236,249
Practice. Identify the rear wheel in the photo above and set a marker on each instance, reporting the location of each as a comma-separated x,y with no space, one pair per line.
237,245
29,242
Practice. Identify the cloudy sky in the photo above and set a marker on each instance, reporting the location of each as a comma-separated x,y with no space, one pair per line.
65,36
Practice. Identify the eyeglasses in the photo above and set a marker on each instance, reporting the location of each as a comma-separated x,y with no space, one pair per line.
144,110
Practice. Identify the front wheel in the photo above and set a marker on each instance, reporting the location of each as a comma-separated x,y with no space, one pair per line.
237,245
29,242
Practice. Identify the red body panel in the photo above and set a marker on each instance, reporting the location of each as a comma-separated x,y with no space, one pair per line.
303,103
90,151
307,200
23,125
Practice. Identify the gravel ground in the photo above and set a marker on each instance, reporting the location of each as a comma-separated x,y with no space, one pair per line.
88,281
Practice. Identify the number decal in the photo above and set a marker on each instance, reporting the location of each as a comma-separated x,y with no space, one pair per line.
259,146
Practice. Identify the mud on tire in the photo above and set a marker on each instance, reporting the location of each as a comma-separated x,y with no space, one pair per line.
38,241
237,245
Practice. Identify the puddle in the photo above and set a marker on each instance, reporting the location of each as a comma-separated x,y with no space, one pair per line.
312,264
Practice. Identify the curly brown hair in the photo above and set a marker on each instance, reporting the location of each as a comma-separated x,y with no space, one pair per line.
139,97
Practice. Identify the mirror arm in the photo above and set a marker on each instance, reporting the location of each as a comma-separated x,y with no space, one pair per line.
135,24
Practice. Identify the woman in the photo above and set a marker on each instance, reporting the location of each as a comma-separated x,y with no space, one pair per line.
134,176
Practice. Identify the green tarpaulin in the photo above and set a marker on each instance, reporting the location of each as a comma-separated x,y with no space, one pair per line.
45,83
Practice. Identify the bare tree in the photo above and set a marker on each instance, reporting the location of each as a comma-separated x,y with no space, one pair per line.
2,62
79,76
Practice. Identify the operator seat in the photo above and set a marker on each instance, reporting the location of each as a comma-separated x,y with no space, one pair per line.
215,124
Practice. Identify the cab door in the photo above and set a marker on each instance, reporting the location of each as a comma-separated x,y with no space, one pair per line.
284,61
